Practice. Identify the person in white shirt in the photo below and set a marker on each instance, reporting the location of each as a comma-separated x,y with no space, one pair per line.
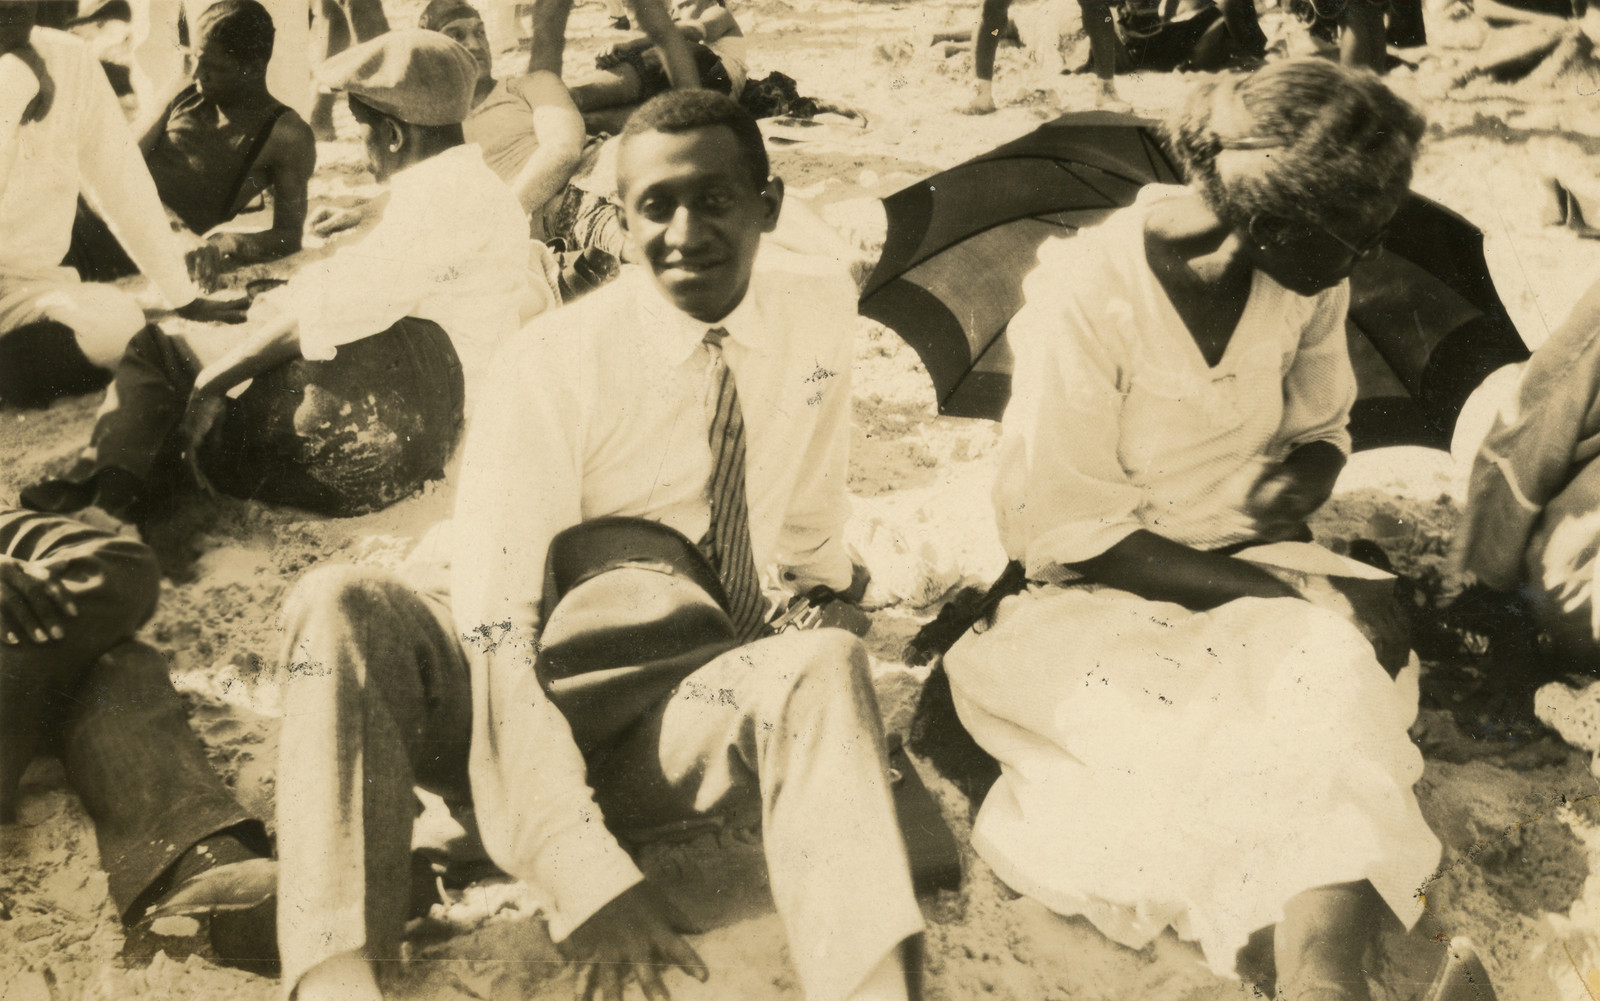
360,365
62,133
607,408
1201,716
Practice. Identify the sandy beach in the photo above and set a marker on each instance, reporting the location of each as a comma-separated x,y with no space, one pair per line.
1520,818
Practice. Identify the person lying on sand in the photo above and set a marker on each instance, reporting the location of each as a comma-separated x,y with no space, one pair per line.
218,145
61,134
1179,410
76,683
705,394
632,70
1153,36
530,131
1532,519
358,367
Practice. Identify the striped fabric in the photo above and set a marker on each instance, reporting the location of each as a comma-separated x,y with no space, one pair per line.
29,535
727,540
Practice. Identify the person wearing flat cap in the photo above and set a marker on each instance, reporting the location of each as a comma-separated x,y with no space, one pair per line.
360,367
653,469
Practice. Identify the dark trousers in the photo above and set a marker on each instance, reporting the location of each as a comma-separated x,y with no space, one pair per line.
104,705
340,437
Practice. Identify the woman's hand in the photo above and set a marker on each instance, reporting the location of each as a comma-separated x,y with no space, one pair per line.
1373,607
33,606
1286,493
1280,501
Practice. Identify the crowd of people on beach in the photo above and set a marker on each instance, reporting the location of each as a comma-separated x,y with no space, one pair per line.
596,289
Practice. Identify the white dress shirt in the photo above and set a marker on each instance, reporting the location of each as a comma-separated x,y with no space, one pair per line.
452,247
82,144
601,409
1117,423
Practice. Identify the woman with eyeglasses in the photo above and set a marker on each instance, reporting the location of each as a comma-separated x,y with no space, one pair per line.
1201,717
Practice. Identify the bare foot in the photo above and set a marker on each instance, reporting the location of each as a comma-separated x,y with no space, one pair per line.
981,104
1106,99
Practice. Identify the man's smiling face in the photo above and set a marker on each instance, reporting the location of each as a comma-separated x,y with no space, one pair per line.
692,209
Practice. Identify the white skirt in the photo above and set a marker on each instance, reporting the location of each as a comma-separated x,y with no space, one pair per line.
1193,769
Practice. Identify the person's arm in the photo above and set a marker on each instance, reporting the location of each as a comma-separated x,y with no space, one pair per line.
656,22
549,36
71,588
520,485
266,349
1159,569
559,127
118,186
1528,455
289,158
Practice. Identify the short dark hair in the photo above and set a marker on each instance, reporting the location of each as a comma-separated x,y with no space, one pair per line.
1303,139
439,13
679,111
242,28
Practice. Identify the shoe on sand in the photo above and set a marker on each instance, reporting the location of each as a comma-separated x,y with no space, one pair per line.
240,901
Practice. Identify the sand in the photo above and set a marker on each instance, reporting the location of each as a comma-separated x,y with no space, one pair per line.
1521,820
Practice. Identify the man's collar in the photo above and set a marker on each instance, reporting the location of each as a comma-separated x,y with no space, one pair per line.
680,334
422,174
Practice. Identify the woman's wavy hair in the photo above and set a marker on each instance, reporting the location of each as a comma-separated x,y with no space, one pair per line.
1305,140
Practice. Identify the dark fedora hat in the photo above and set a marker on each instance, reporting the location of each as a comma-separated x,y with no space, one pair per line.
630,608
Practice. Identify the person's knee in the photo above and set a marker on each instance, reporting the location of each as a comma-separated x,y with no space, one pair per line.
830,667
41,362
345,593
129,668
331,606
104,319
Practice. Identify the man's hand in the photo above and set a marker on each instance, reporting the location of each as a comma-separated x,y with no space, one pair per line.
327,220
203,310
609,57
1280,502
636,934
1374,609
201,415
40,105
33,607
205,265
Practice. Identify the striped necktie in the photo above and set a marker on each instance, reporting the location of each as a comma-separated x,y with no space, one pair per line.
727,540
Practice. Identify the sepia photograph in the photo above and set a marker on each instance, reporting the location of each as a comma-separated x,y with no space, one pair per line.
810,500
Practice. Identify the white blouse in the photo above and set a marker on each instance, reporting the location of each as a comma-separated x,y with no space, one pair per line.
1117,423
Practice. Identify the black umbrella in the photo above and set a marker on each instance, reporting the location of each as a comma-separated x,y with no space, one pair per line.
1426,325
